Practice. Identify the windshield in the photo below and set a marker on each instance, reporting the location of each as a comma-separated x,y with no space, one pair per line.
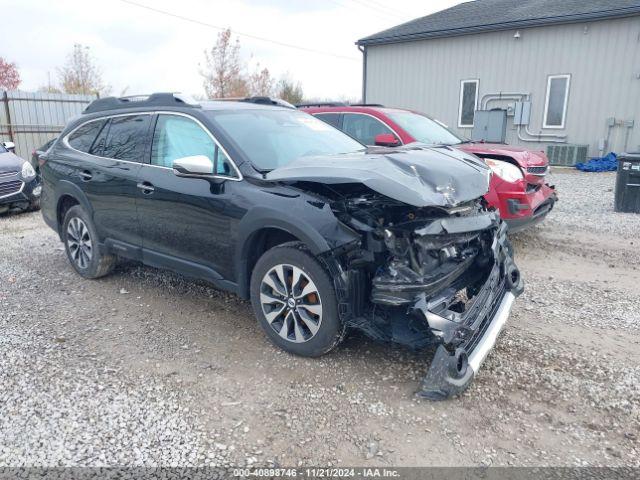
2,149
424,129
273,138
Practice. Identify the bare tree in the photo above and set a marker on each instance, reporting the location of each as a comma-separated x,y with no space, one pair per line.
260,82
9,76
80,74
223,72
289,90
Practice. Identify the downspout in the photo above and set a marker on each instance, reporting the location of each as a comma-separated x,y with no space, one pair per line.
364,72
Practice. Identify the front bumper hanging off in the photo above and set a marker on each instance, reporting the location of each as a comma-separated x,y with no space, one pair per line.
465,343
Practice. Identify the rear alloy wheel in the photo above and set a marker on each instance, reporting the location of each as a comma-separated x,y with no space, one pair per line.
80,242
294,300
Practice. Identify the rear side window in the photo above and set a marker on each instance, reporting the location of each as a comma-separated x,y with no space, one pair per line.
332,119
101,140
363,127
125,138
82,139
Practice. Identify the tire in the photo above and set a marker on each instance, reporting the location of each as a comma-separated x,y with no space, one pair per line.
34,205
313,325
78,231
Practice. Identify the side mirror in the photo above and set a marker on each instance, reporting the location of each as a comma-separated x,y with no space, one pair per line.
386,140
9,146
194,165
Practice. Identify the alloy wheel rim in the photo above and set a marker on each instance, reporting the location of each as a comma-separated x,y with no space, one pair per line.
291,303
79,242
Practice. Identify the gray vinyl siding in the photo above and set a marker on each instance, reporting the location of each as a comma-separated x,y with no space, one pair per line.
604,64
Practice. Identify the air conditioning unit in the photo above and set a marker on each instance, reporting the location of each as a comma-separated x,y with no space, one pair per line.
567,155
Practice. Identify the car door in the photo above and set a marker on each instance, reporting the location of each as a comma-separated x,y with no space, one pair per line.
106,156
364,128
187,222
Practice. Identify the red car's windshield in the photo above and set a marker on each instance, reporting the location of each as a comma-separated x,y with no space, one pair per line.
424,129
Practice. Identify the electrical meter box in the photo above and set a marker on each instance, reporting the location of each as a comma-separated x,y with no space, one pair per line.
490,126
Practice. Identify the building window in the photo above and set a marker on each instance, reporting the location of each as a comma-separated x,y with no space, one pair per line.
468,102
555,105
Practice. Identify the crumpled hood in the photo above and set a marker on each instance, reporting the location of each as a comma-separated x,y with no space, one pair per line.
10,162
418,176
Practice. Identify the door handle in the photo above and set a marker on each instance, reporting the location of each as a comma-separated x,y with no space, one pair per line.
146,187
85,175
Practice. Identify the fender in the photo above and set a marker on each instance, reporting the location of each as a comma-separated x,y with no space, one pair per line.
315,226
66,187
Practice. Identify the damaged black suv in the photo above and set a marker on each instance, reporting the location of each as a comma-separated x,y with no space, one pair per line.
322,234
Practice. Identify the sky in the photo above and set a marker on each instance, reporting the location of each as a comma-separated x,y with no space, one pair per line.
140,50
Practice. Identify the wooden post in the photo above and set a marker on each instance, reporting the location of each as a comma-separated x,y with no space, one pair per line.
5,100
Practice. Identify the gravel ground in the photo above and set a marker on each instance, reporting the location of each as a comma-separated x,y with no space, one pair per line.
146,368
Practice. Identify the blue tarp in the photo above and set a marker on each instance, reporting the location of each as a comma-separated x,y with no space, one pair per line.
608,163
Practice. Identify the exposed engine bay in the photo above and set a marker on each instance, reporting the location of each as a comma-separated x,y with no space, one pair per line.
421,276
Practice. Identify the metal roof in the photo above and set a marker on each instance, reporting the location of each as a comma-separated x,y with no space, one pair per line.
489,15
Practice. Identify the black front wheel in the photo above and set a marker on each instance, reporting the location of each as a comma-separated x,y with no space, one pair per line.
295,302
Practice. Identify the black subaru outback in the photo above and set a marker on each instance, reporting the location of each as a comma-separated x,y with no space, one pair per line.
322,234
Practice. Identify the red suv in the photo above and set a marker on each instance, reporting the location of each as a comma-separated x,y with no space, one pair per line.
518,187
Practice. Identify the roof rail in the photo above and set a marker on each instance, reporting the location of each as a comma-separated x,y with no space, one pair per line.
262,100
366,105
321,104
154,100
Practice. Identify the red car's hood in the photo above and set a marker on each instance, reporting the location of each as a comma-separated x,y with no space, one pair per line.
525,158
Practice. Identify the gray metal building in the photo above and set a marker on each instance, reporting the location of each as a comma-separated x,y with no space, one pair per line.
559,73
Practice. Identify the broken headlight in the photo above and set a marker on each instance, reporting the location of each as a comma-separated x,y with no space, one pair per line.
27,172
505,170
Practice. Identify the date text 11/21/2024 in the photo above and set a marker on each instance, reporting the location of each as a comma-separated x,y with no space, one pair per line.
317,472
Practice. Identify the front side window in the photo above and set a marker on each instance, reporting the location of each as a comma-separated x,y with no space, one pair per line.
424,129
272,138
82,138
468,102
178,137
364,128
556,101
222,164
125,138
